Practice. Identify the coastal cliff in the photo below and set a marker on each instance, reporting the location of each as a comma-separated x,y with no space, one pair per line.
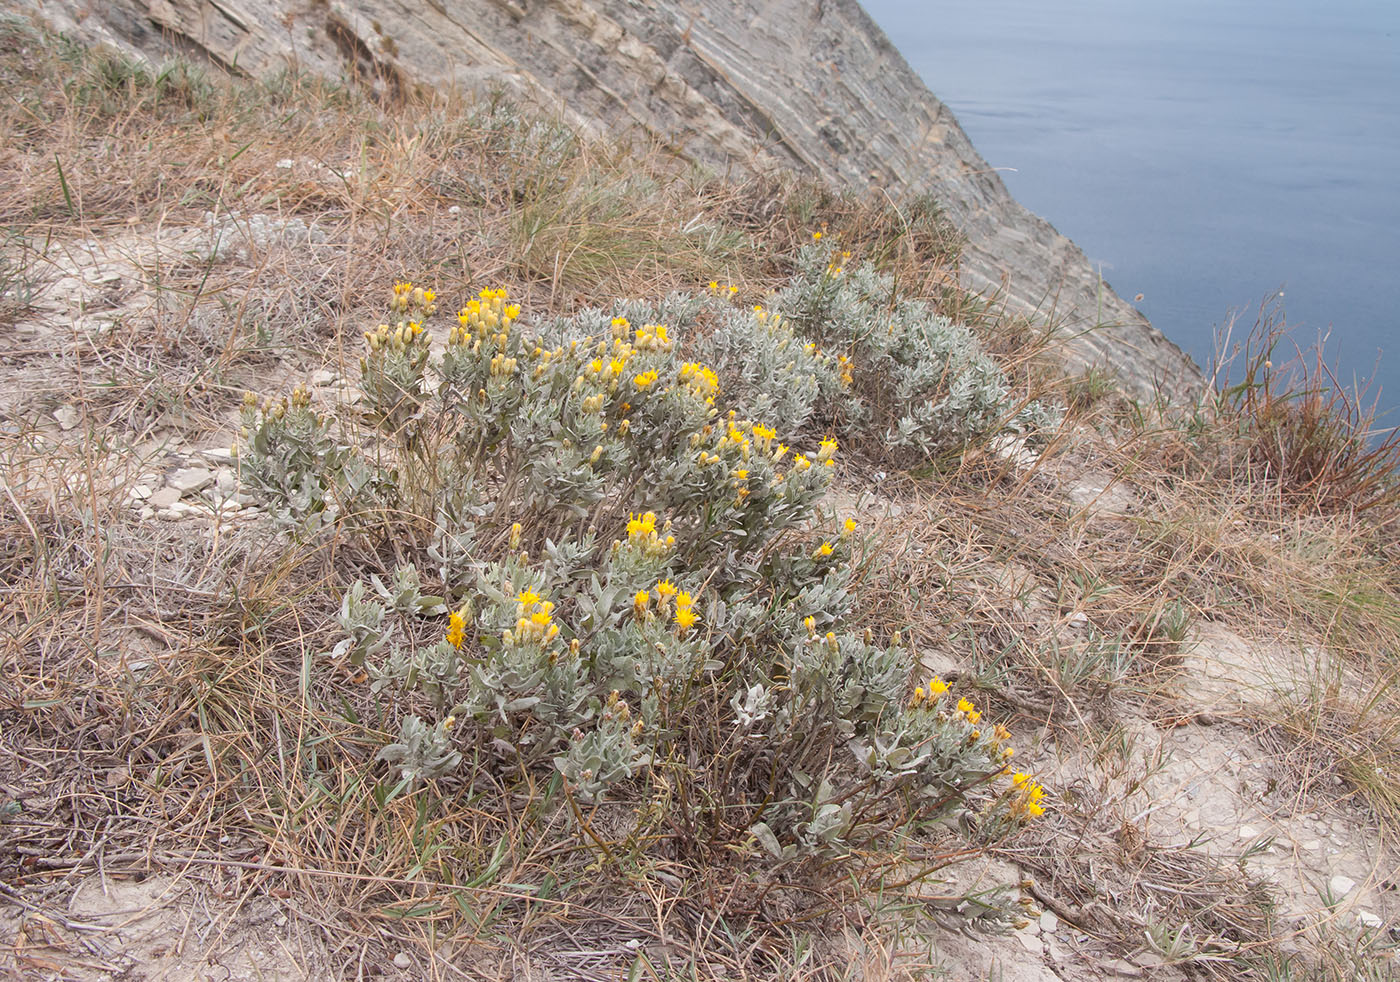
740,87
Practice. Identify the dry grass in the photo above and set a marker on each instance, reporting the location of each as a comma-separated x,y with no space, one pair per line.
163,702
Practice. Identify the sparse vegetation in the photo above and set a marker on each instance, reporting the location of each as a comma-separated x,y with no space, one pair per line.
552,626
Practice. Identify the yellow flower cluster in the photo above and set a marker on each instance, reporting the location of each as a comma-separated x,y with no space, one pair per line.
931,694
685,616
641,532
729,289
488,314
1028,798
406,295
652,337
764,316
645,380
701,381
1027,801
397,338
457,627
534,620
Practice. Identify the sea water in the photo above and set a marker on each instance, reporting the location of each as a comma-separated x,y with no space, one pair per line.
1206,154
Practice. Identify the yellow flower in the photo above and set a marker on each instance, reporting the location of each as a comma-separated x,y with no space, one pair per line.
850,526
645,379
665,589
964,706
801,463
456,628
685,618
638,527
828,450
816,236
684,600
937,686
714,284
825,549
528,599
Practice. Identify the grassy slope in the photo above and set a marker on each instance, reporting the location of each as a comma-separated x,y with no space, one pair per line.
989,564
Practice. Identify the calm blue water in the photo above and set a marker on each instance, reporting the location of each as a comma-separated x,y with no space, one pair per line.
1205,153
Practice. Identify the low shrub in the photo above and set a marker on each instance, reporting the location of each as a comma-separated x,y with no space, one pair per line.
638,588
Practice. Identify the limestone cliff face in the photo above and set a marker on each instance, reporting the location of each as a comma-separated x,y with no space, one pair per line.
740,85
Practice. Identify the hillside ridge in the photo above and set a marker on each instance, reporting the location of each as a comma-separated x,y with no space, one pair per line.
740,87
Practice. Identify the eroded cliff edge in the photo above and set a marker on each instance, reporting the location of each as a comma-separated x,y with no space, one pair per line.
739,86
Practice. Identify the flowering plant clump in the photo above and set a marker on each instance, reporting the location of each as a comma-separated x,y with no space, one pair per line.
637,588
920,377
291,455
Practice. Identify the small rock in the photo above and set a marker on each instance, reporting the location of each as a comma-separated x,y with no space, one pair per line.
455,210
217,453
164,498
146,513
188,479
1121,966
1340,885
286,163
1368,919
1078,619
1049,923
141,492
167,515
67,416
1031,943
323,377
1248,832
401,960
1312,845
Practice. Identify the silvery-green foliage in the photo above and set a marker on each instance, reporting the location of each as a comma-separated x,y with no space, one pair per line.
599,758
931,752
752,705
769,372
392,379
291,456
363,623
933,386
435,670
404,593
422,752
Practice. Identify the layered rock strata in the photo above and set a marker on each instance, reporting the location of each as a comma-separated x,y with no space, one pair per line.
738,85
